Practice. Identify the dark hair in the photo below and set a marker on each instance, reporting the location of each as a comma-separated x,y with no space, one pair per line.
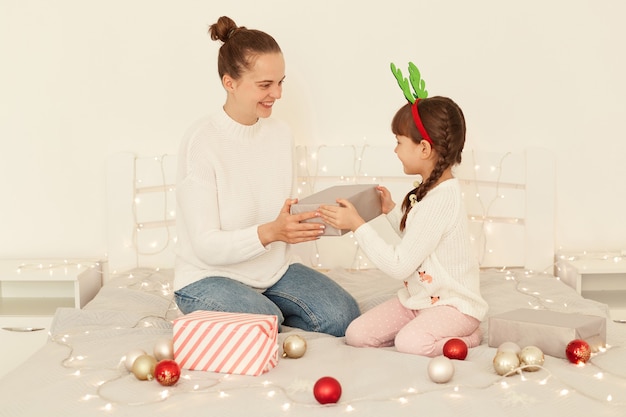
240,46
444,121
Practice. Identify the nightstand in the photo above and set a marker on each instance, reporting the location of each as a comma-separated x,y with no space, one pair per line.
597,276
30,293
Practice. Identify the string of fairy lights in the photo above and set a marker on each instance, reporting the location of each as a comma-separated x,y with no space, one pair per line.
111,391
317,167
609,388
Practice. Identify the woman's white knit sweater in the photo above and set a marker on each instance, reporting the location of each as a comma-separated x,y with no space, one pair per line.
231,178
434,258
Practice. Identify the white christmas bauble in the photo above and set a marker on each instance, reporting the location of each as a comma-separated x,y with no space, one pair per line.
130,357
509,347
440,369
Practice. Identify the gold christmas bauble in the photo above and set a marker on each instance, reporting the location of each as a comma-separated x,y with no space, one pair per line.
531,358
294,347
505,362
143,367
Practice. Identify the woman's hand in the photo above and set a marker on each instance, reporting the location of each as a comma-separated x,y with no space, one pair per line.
290,228
345,216
386,203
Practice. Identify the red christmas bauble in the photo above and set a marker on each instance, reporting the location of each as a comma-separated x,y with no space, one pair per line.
327,390
578,351
455,349
167,372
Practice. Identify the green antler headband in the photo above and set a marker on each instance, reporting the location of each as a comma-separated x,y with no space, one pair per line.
419,85
419,92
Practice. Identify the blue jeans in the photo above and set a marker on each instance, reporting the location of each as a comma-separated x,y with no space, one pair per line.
302,298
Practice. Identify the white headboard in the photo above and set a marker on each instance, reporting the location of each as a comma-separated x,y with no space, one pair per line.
509,198
141,211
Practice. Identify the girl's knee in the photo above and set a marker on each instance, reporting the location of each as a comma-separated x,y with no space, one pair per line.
423,347
356,336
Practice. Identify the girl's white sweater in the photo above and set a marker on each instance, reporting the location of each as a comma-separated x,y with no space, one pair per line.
434,258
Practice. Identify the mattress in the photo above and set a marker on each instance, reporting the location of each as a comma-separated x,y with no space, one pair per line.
80,371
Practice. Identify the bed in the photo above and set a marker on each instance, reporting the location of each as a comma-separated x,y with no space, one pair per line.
510,200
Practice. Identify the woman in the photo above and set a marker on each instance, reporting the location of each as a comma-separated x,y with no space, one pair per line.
235,171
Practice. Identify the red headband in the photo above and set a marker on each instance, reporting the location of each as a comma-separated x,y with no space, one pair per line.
418,122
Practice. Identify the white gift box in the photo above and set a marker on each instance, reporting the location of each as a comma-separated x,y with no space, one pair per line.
550,331
232,343
364,197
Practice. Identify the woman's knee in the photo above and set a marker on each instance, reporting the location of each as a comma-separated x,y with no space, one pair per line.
313,302
223,294
188,303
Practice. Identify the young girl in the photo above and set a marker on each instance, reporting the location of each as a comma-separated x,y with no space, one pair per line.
235,177
441,296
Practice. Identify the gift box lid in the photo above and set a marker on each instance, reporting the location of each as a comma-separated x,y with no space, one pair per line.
548,317
240,320
330,194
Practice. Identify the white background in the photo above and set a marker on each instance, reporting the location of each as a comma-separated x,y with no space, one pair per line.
82,79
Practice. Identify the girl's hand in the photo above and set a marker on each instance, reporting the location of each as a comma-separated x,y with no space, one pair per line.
386,203
290,228
344,217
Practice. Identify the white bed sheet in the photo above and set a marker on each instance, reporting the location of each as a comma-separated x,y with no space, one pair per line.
81,372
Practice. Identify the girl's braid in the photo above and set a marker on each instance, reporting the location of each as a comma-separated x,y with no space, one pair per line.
447,158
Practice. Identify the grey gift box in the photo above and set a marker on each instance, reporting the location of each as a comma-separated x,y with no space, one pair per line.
364,197
550,331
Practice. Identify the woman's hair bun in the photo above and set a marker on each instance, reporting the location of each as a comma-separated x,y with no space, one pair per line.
223,29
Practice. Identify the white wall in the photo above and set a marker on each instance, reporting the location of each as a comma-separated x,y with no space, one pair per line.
82,79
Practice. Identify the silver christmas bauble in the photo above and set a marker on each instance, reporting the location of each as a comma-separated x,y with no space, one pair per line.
164,349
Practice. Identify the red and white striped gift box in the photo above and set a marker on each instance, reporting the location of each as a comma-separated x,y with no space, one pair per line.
232,343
